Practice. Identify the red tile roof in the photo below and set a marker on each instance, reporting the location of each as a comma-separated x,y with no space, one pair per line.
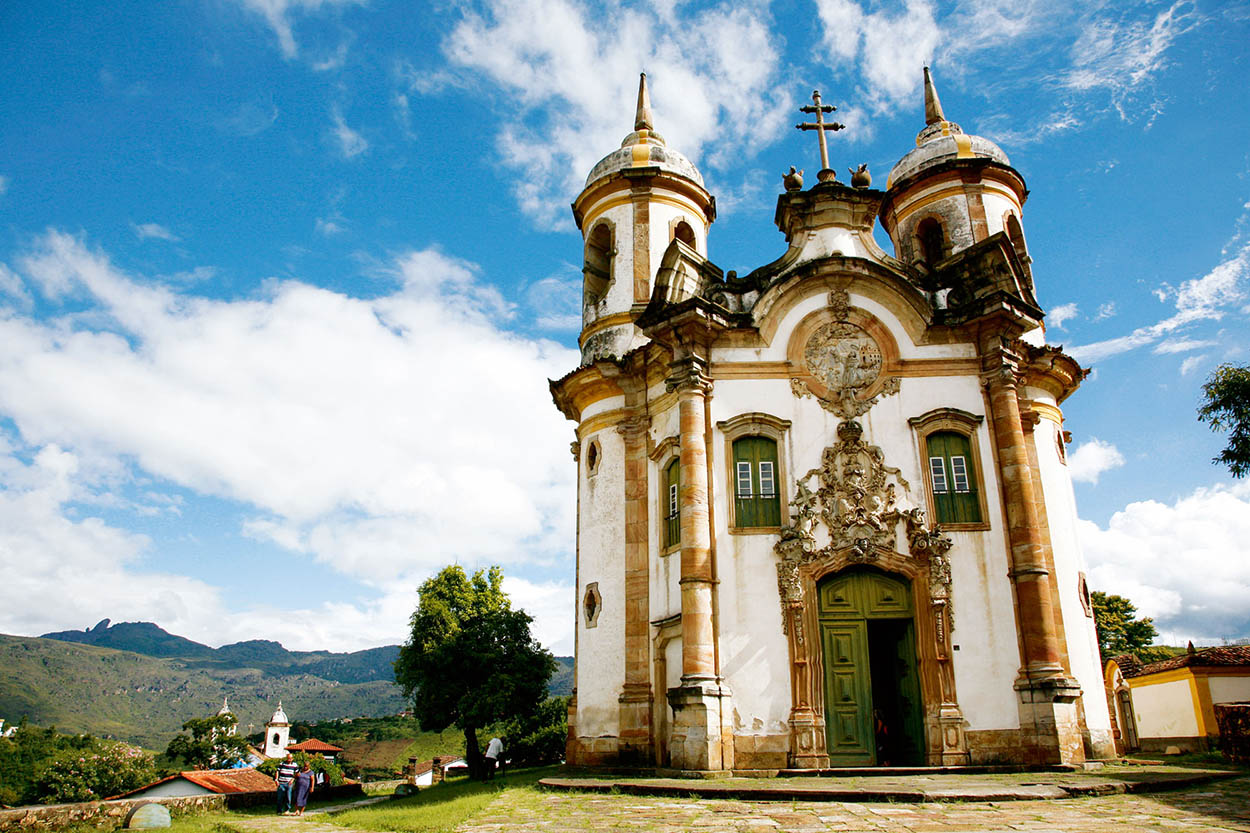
220,781
314,745
1225,655
246,780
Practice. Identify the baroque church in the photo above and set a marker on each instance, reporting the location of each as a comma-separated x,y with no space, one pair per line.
824,517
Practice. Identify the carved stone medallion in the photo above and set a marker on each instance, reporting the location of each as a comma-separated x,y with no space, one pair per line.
843,357
845,361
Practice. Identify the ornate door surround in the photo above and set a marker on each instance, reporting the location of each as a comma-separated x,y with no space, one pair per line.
851,519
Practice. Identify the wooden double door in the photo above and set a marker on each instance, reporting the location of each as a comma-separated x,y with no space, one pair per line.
874,714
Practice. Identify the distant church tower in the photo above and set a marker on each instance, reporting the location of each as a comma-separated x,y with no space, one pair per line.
224,711
277,734
830,495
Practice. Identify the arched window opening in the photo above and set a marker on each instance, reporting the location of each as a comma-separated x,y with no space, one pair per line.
953,478
757,498
1016,234
684,233
672,503
597,271
932,241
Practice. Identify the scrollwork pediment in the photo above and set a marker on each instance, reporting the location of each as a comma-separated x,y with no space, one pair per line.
853,514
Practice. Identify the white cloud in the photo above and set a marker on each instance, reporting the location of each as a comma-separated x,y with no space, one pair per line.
277,14
1090,459
1181,345
1061,314
153,231
1121,55
1182,563
1192,363
330,226
351,143
334,61
571,82
11,285
556,302
890,48
1105,311
1200,299
365,433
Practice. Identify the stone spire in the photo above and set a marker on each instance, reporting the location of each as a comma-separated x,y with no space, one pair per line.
225,706
642,119
932,104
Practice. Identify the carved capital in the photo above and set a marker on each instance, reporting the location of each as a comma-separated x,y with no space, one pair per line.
634,428
689,375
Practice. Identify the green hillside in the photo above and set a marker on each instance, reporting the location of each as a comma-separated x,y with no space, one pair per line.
145,700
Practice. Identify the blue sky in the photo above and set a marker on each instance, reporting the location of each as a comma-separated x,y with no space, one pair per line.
274,272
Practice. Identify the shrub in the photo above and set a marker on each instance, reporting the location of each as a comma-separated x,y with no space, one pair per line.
93,775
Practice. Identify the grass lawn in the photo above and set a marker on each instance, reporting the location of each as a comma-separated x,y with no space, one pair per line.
438,808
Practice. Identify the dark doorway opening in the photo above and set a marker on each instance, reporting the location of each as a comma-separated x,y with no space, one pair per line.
898,722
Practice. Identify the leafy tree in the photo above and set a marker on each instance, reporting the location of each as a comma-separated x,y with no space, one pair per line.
470,660
91,776
212,743
26,751
538,737
1226,407
1119,632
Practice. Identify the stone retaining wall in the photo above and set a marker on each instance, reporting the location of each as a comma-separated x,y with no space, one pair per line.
102,814
111,814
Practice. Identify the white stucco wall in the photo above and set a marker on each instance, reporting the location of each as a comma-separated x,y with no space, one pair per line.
1230,689
1165,710
601,558
176,786
1078,626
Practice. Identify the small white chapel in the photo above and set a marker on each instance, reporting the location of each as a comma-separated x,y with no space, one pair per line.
824,517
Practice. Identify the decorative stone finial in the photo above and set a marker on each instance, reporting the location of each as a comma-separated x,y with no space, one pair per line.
932,104
860,178
793,180
642,119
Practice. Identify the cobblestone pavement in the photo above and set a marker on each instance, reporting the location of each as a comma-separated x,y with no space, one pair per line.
1221,806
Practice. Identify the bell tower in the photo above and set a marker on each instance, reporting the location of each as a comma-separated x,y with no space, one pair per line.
636,202
951,192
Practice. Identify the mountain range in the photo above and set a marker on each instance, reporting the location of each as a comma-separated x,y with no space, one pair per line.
137,682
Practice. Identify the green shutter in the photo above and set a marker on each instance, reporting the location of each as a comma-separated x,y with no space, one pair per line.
757,486
671,503
955,492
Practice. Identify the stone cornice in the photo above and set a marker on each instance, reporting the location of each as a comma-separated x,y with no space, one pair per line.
1052,370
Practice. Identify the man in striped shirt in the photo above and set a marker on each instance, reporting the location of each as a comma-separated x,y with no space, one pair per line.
284,778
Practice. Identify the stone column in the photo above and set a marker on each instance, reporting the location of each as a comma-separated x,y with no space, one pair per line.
1047,695
636,740
699,740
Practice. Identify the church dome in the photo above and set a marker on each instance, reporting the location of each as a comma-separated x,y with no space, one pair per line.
279,716
644,148
941,141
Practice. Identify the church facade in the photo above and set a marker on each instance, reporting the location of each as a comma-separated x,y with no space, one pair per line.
824,516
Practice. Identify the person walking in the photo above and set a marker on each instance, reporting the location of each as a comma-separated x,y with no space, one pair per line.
303,788
283,779
494,751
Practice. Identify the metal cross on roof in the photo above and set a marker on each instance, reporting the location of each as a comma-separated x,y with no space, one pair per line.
820,126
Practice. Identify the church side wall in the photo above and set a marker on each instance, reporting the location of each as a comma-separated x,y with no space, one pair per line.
1230,689
1082,641
601,649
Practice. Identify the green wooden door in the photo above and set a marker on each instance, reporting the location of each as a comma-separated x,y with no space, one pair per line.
868,643
848,697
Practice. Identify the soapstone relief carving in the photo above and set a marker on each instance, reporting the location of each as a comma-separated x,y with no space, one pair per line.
846,360
855,507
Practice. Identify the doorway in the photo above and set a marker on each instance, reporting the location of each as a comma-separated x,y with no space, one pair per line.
873,706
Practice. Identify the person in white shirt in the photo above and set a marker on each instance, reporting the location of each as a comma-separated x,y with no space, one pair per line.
494,751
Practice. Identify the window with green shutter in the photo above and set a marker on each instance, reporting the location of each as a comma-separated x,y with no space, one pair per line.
671,500
757,498
953,479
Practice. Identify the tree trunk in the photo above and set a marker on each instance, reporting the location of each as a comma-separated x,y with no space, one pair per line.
472,754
